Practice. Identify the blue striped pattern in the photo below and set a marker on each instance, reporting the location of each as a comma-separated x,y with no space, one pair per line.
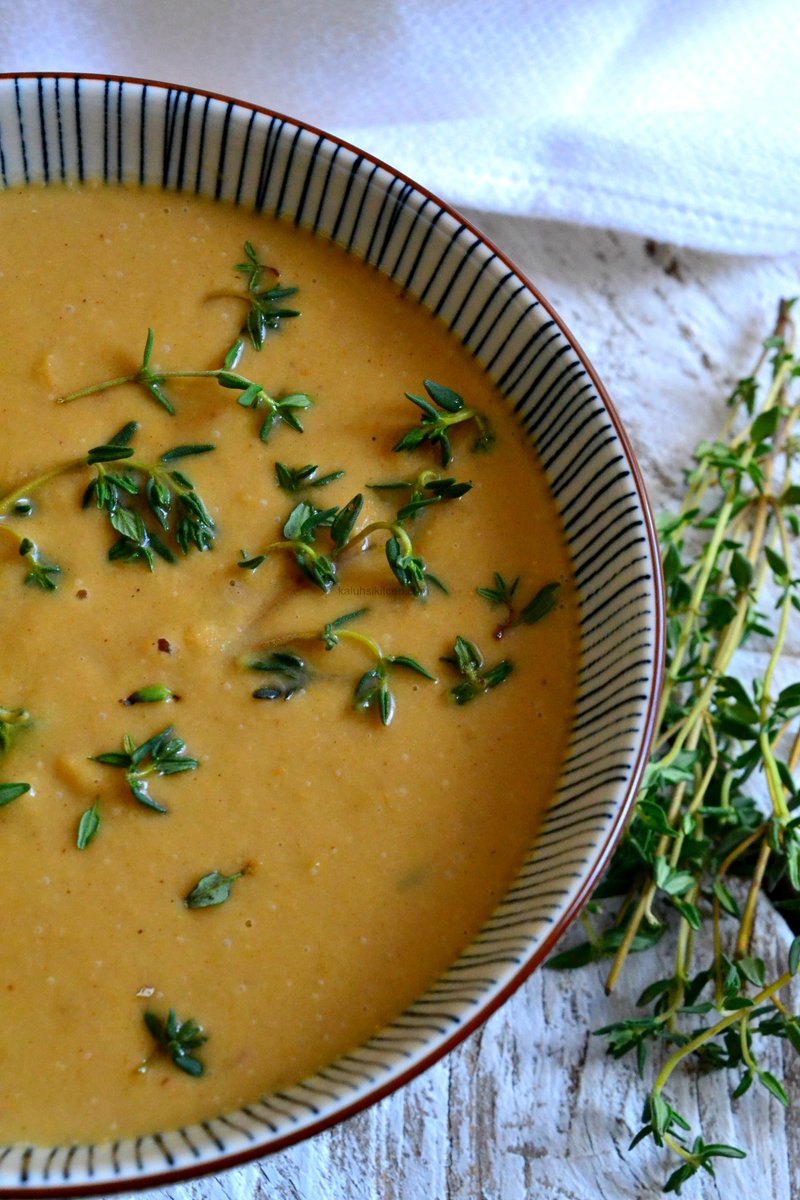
67,128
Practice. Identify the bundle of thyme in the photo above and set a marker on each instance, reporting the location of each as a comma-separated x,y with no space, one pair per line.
717,820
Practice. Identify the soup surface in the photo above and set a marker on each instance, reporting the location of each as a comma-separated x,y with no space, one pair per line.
365,855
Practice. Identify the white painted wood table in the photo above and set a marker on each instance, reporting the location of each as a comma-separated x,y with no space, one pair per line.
530,1106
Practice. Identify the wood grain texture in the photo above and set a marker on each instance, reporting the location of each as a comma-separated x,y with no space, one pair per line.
530,1106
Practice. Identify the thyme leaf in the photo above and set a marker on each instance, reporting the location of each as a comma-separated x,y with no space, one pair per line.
178,1039
213,888
161,754
155,693
295,479
88,826
290,675
477,679
12,791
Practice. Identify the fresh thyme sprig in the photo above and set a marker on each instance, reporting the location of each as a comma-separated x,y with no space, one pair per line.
161,754
300,532
477,679
428,488
297,479
538,607
277,410
178,1039
372,691
408,567
319,564
12,722
252,395
168,493
719,737
441,411
265,305
159,488
252,267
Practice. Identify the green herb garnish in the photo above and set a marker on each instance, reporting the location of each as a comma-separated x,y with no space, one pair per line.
161,754
290,675
88,826
252,267
178,1038
156,693
167,493
126,495
265,305
469,662
408,567
278,410
428,488
440,412
372,690
542,603
214,888
721,738
538,607
11,791
252,394
300,532
40,572
12,722
295,479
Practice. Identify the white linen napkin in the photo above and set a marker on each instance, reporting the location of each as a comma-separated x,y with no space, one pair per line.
675,119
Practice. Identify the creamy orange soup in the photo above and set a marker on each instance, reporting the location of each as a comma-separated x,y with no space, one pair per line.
371,853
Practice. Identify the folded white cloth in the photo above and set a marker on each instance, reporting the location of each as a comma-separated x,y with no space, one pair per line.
676,119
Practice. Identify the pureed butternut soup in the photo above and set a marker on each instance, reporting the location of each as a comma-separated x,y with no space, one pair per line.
342,833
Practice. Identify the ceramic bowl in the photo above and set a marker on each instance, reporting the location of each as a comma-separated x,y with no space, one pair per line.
75,128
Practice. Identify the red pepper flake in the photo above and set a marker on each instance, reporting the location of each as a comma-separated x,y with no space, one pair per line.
164,646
